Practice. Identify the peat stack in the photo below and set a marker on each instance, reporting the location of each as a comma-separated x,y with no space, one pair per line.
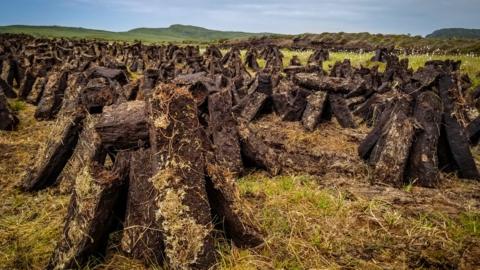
382,54
319,56
81,99
418,134
8,120
251,59
179,189
327,99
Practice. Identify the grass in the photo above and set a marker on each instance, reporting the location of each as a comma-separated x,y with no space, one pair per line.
29,223
17,105
29,227
311,227
470,62
337,221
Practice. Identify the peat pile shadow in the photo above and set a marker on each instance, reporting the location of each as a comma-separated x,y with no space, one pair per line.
180,135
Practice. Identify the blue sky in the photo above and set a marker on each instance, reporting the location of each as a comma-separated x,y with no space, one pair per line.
280,16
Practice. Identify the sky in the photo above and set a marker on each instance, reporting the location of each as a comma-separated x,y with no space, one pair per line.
416,17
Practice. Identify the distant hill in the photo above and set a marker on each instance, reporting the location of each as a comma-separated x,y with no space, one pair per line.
455,33
173,33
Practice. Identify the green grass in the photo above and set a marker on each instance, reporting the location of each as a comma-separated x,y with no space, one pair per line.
17,105
310,227
470,63
29,227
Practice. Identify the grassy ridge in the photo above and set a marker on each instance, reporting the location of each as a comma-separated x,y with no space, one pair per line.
173,33
455,33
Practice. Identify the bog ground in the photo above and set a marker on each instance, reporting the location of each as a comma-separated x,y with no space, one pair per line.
121,156
330,222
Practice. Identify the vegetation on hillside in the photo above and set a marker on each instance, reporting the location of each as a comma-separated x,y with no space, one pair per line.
455,33
174,33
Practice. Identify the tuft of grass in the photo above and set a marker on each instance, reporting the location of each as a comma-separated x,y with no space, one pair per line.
408,188
17,105
470,221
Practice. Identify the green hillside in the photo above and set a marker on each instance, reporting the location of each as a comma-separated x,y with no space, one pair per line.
187,32
455,33
177,33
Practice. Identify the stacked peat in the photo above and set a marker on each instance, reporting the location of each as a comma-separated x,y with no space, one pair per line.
419,129
167,178
181,134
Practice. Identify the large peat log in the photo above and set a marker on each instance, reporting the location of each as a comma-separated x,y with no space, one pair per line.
90,216
341,111
423,164
391,152
316,104
455,133
251,106
8,120
142,238
223,129
123,126
473,130
88,149
184,212
316,82
52,97
55,153
7,89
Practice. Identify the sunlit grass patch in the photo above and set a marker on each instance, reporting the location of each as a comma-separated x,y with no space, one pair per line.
312,227
470,62
30,224
17,105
